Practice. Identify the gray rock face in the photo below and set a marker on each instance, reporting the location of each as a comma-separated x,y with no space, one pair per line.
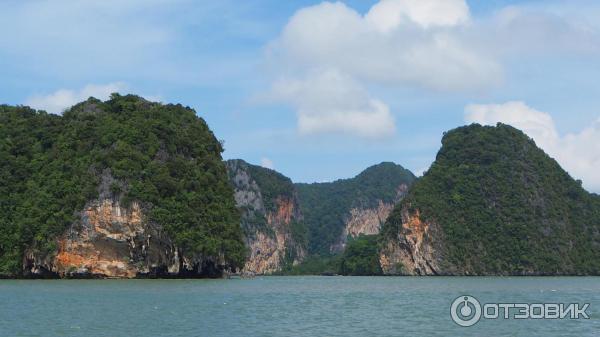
247,193
268,232
367,221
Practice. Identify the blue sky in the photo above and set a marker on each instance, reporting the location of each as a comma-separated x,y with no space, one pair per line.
320,91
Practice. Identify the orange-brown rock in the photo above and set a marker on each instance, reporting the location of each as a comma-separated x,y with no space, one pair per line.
88,251
268,230
411,252
367,221
112,241
267,252
284,213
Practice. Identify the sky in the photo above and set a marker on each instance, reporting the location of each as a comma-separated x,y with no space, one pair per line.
321,90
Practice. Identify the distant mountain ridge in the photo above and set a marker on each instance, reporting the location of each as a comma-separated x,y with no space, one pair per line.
334,211
276,213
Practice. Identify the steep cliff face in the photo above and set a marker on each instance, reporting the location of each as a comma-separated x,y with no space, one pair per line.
271,218
108,241
493,203
271,249
411,251
112,241
367,221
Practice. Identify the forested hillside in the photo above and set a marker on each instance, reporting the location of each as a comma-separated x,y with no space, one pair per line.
493,203
162,157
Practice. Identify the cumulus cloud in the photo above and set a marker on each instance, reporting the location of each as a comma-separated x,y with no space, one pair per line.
396,42
389,14
62,99
344,53
431,45
539,29
578,153
538,125
330,101
266,162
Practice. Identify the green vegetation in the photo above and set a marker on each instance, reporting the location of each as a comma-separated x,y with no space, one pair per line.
272,184
314,265
253,222
361,256
325,205
299,233
162,156
505,207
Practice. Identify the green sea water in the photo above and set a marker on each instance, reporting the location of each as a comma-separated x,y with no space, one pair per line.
286,306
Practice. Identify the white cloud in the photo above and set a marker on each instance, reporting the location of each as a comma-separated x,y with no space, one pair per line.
432,45
389,14
328,56
62,99
578,153
329,101
396,42
266,162
538,125
539,29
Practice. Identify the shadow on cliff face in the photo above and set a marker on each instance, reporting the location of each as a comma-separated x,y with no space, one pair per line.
206,269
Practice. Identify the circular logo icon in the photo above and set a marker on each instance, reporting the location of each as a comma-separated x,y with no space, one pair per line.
465,310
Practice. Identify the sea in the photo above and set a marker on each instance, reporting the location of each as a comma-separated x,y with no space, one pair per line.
299,306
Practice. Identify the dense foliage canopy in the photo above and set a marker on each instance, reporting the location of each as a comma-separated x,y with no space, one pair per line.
361,257
162,156
505,207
